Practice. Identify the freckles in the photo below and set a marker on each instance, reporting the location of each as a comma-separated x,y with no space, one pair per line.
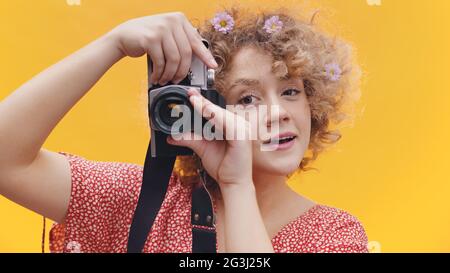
302,121
304,110
304,104
250,114
301,113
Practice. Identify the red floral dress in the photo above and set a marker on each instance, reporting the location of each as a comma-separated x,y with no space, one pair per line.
104,196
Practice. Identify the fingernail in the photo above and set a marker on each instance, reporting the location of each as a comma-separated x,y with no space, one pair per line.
213,63
195,99
194,91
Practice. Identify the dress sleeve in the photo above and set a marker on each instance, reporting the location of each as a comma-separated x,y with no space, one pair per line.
102,201
345,235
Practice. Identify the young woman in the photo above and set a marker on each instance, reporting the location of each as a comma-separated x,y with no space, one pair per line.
260,58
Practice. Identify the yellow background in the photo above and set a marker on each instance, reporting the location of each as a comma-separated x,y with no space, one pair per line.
390,169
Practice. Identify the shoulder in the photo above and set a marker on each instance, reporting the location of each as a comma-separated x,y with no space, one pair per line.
330,216
102,202
103,176
331,229
103,199
80,165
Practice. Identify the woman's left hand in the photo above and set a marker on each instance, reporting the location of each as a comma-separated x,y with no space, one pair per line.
228,161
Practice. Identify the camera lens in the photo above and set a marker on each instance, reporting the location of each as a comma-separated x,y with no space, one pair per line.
168,107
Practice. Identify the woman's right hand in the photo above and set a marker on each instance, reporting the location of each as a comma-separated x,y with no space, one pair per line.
169,39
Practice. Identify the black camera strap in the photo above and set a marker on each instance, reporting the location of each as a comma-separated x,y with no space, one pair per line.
203,219
157,172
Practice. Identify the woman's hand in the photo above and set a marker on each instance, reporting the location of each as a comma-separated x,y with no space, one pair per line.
169,39
228,161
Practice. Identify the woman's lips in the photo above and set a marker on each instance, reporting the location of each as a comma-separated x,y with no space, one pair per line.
280,138
280,146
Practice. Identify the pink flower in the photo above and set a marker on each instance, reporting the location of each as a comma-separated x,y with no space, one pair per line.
333,71
223,22
273,24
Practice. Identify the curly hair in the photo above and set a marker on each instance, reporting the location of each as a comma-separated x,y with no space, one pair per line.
299,49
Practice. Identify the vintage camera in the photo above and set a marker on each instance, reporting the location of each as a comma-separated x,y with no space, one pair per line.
164,99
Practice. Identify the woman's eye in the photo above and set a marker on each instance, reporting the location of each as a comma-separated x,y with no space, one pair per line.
291,92
246,100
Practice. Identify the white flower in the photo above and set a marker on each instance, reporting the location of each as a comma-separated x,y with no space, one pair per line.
73,247
333,71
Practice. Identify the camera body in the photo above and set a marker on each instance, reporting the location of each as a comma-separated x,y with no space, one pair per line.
163,100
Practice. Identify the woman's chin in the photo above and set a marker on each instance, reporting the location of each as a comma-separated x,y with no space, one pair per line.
281,167
280,163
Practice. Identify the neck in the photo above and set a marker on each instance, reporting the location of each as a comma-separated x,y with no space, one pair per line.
274,196
271,192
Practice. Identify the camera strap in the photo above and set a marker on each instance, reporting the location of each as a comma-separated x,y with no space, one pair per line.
157,173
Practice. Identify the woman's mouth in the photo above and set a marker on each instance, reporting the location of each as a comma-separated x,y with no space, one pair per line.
282,143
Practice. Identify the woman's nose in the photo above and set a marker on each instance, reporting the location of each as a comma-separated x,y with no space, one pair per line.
276,113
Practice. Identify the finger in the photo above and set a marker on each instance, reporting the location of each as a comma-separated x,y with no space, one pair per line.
197,33
198,47
157,56
173,58
185,52
223,120
188,140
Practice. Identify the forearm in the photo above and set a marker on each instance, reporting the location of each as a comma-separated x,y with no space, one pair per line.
244,226
29,114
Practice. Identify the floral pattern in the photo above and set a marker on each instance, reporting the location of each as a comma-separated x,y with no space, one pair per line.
104,196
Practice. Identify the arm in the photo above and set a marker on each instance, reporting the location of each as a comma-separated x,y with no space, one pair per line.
41,103
244,227
29,175
41,180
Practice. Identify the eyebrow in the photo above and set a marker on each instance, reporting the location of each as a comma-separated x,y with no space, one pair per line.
243,81
251,82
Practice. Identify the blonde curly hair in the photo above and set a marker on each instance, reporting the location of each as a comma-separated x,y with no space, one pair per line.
299,49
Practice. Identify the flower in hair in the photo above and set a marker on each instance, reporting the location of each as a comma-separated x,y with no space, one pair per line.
273,24
223,22
333,71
